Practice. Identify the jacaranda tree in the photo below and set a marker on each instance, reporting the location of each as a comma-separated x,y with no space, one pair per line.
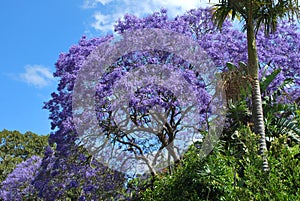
70,171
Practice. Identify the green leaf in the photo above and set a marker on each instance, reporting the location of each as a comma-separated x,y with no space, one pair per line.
243,65
231,66
266,81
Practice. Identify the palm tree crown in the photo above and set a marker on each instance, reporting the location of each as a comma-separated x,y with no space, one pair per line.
265,13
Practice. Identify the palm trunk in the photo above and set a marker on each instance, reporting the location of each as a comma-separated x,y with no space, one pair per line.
259,126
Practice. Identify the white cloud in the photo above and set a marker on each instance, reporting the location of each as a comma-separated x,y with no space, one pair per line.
93,3
112,10
102,22
37,75
103,2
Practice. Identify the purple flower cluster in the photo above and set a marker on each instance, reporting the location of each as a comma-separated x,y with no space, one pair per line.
281,51
60,106
77,176
17,185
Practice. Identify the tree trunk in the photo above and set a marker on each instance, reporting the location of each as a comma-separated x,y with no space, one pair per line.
257,111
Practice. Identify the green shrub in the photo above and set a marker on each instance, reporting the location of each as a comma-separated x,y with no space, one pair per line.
227,175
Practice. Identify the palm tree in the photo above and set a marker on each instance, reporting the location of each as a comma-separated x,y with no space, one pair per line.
256,14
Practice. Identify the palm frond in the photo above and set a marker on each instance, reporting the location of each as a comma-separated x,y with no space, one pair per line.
234,9
286,126
266,13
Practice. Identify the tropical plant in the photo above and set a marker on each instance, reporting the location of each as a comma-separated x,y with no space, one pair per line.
281,118
256,13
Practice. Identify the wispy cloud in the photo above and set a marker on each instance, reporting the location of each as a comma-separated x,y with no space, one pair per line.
37,75
103,22
93,3
112,10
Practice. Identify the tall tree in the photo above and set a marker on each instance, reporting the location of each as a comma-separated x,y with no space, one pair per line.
256,14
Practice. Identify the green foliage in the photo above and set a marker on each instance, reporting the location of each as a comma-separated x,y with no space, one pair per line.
195,179
283,180
266,80
233,174
16,147
281,118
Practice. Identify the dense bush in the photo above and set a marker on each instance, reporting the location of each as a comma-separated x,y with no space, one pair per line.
226,176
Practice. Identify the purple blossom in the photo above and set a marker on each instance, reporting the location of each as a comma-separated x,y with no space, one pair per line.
78,173
17,185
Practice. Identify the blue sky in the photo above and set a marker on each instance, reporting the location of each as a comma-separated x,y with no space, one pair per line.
34,33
